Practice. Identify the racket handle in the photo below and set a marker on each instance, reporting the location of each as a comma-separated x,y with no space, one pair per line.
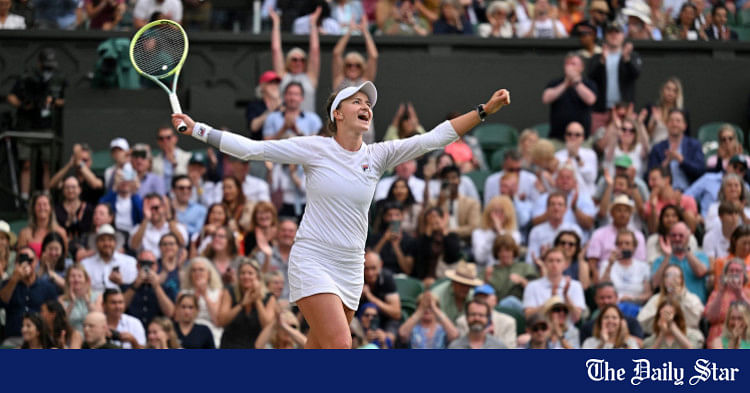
175,103
182,127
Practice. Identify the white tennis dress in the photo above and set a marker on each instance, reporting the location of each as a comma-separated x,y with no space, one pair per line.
328,252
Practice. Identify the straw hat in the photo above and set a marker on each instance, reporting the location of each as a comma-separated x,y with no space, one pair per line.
464,273
5,228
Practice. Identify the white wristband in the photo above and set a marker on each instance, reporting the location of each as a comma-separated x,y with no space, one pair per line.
201,131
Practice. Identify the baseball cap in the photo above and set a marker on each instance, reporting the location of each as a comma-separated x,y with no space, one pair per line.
269,76
485,289
367,88
197,158
738,159
535,319
47,58
120,143
623,161
105,229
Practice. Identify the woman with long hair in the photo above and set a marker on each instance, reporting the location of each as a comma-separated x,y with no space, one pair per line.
35,333
282,333
739,248
401,193
671,331
498,218
161,334
729,146
684,27
670,97
262,231
428,327
736,334
577,267
342,174
53,262
78,299
201,277
217,216
729,288
171,260
437,247
62,332
240,209
192,335
732,191
672,287
246,307
632,141
103,214
657,242
223,253
41,222
610,331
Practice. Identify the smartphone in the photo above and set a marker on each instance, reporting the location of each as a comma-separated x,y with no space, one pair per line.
627,254
395,226
116,269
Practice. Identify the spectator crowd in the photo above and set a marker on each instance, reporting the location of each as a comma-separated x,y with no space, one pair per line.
611,227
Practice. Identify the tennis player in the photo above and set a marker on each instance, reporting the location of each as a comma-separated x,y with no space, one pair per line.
326,264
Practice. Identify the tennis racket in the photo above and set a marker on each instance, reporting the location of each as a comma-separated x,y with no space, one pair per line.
158,50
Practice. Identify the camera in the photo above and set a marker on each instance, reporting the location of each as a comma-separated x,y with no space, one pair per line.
24,258
115,335
627,254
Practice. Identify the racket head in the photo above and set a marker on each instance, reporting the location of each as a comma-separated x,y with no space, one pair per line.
159,49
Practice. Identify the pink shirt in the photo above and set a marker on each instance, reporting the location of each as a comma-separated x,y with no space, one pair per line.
602,244
687,203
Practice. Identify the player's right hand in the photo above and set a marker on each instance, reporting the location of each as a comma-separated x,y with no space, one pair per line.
190,123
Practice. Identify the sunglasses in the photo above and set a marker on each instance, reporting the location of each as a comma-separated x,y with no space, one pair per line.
560,309
566,244
182,188
539,328
628,129
353,65
297,59
574,134
514,169
727,139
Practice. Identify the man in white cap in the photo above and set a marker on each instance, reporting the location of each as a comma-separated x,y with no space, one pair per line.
602,243
126,204
119,149
109,268
452,295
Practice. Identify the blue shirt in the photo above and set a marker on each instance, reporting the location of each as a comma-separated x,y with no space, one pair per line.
308,123
585,204
705,190
694,284
151,183
25,299
680,180
192,217
613,79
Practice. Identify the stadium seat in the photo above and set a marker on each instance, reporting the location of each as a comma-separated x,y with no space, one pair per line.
517,315
17,225
492,137
478,177
709,132
743,32
100,160
496,161
409,290
542,129
743,17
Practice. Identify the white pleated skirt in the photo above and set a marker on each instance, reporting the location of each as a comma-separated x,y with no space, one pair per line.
315,269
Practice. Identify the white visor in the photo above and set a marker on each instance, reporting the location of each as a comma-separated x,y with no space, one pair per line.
367,88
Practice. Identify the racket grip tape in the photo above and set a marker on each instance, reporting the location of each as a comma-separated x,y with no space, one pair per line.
175,103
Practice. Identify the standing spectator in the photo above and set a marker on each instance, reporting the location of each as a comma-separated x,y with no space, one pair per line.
499,17
326,24
543,234
172,160
478,317
428,327
452,20
146,10
73,214
694,264
346,13
149,182
119,151
104,14
586,33
23,292
570,99
55,14
614,72
126,331
38,96
201,277
717,30
670,98
736,329
630,139
610,331
190,214
109,268
730,287
685,27
352,69
293,120
544,25
8,20
554,283
380,290
192,335
147,298
662,194
501,326
268,100
158,220
583,159
403,20
96,331
716,243
297,67
42,221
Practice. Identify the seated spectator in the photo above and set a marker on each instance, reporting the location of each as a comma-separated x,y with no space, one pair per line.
189,214
544,25
217,216
318,13
172,160
452,20
147,298
680,154
610,331
554,283
103,214
73,214
35,333
261,233
543,235
526,189
240,209
282,333
629,274
293,120
522,207
657,242
395,247
509,277
670,97
158,220
672,286
582,159
96,332
346,13
55,14
275,259
671,331
570,13
428,327
53,263
716,242
104,14
23,292
684,26
729,148
630,140
405,123
145,9
9,20
732,191
598,16
640,25
149,182
254,189
406,171
739,247
580,209
127,331
502,326
526,140
404,21
538,333
201,277
126,205
380,290
498,218
275,282
563,334
718,29
62,333
410,209
78,299
375,336
570,98
42,221
79,165
662,194
168,265
461,212
119,151
736,334
161,335
624,183
223,254
289,180
436,164
499,14
478,316
437,247
246,308
7,245
109,268
575,264
297,66
731,286
693,263
453,294
203,183
605,294
603,242
191,335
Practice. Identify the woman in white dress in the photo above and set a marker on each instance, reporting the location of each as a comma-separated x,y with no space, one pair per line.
326,264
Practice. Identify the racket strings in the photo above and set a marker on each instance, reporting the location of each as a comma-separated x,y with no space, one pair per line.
159,49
